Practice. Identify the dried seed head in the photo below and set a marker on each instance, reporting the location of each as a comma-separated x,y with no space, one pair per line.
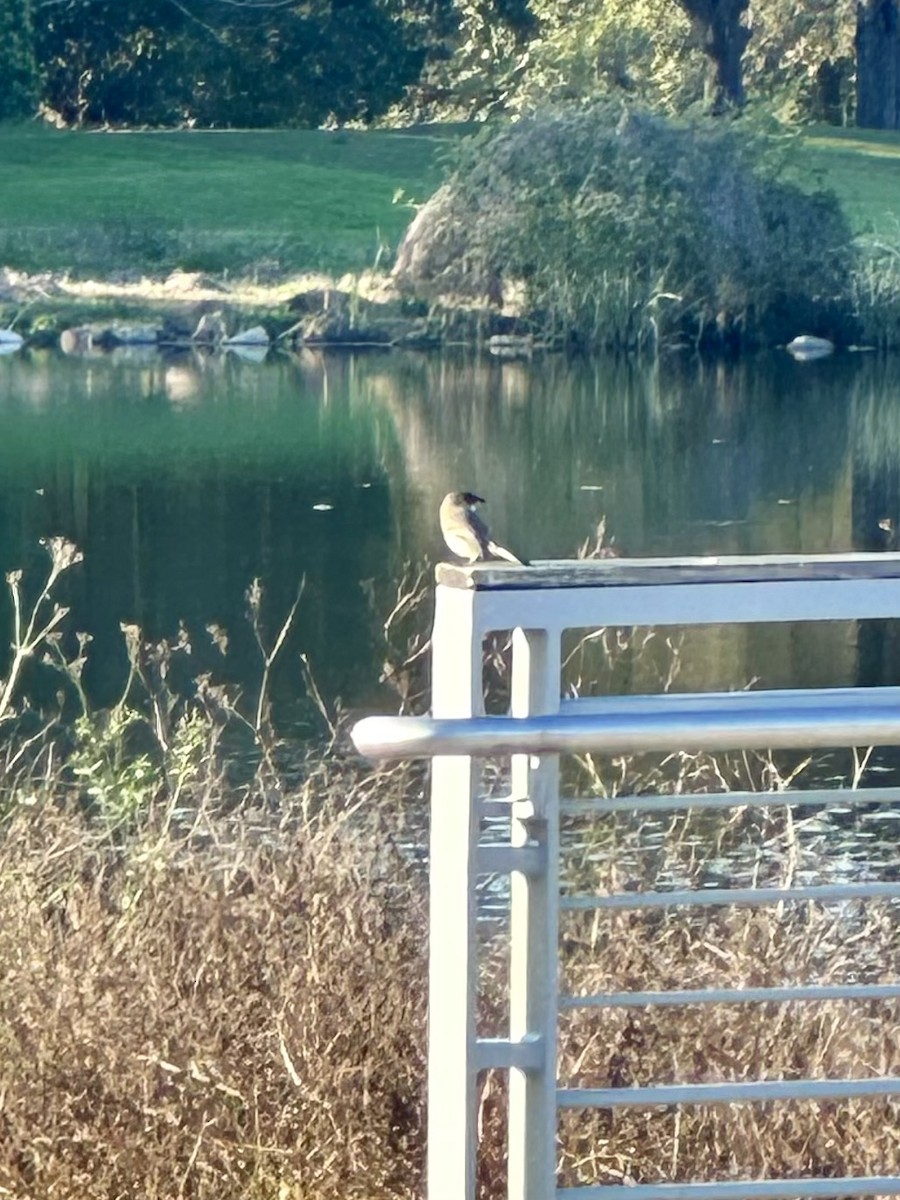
219,637
254,596
63,553
132,642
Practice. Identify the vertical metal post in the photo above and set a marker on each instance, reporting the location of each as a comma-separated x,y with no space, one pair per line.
533,925
453,967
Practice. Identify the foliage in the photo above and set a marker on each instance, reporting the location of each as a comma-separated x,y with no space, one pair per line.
215,64
801,57
18,66
643,50
627,228
476,66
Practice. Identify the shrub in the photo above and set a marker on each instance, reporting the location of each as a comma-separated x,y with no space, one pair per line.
627,228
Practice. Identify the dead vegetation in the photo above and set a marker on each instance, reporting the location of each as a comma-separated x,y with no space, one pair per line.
781,945
216,987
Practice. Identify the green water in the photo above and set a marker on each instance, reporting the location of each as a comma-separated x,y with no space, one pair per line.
184,478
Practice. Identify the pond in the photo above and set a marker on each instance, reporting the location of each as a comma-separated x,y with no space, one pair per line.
184,477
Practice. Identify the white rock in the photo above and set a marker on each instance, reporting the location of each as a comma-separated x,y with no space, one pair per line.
76,341
210,328
10,341
806,347
256,336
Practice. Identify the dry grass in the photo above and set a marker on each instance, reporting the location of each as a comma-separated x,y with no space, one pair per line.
714,1043
235,1010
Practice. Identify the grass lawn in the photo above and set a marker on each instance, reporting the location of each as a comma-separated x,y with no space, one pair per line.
282,201
863,167
275,203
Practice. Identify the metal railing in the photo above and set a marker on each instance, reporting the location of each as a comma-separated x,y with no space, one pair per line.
539,603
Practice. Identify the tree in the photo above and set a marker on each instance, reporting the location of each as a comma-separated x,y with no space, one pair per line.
801,58
229,62
724,37
878,64
18,67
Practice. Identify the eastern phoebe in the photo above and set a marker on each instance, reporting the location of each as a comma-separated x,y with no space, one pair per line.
465,532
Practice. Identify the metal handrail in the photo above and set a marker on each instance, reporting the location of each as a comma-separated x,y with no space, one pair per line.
632,724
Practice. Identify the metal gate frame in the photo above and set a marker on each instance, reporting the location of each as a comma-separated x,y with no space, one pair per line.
539,603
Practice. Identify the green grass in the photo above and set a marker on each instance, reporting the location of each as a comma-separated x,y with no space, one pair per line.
863,167
214,201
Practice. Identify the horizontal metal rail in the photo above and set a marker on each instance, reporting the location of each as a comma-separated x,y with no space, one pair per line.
631,724
704,897
595,806
741,700
749,1189
750,995
754,1092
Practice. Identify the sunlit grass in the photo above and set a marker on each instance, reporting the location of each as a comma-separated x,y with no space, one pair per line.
213,201
863,167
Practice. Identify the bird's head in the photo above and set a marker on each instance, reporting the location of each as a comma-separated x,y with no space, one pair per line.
471,498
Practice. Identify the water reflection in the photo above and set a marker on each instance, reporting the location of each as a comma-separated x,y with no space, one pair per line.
184,477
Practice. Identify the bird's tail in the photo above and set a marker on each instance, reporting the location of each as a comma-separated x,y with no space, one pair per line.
502,552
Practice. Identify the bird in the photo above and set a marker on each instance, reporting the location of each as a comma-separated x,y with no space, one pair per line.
465,532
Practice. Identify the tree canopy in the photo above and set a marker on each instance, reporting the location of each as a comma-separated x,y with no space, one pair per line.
308,62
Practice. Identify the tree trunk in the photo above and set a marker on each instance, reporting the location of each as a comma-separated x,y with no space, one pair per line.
878,64
724,37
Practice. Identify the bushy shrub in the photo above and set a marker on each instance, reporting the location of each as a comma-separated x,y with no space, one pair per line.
626,227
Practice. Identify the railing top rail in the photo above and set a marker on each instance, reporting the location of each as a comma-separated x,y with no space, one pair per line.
637,572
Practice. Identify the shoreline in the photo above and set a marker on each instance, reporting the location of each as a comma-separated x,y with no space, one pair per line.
193,308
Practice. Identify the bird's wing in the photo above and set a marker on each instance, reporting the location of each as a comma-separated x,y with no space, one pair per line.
480,530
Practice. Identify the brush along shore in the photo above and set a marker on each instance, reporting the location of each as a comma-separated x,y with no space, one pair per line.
368,310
